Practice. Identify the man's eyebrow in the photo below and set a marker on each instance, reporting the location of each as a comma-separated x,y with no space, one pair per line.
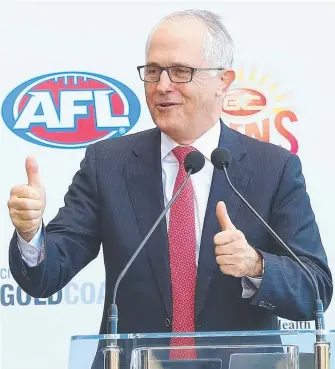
152,63
174,64
178,64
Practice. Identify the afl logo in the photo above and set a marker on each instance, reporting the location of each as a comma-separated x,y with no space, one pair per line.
70,109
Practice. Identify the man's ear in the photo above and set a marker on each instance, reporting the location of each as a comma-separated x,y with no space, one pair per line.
226,79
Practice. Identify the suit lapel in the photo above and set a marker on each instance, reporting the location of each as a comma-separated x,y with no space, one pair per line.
239,173
143,175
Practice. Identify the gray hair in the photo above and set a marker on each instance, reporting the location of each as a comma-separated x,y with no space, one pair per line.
218,45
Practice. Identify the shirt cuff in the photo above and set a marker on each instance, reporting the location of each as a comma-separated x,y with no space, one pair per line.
30,252
250,286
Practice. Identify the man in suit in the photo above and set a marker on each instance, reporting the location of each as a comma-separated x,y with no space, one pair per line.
210,265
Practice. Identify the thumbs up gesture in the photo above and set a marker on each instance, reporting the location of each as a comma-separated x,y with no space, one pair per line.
233,253
27,202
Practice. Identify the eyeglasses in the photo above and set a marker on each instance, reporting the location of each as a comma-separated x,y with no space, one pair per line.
177,74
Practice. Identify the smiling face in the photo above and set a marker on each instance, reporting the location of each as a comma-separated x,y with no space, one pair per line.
184,111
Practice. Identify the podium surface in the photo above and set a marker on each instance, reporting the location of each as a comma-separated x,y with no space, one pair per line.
204,350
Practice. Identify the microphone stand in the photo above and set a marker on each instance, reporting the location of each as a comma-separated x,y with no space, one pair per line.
321,347
193,162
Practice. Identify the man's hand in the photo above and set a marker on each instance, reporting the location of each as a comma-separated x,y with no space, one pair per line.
27,202
233,253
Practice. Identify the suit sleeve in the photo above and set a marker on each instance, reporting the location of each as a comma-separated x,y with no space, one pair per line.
286,289
70,241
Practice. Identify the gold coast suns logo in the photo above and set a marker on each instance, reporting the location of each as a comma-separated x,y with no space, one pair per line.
256,106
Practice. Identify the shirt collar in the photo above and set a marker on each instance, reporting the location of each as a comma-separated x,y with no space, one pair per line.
205,143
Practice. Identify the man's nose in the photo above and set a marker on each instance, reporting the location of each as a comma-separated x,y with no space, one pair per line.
164,83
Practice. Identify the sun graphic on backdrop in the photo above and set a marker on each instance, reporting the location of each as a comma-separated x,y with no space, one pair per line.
254,105
249,81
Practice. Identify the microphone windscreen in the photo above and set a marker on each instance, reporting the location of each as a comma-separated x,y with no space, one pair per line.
221,156
194,160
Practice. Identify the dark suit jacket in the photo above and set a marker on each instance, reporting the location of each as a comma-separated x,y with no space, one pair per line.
117,195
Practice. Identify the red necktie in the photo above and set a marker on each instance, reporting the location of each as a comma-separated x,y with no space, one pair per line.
182,247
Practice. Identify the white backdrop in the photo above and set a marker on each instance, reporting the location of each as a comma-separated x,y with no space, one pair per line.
284,53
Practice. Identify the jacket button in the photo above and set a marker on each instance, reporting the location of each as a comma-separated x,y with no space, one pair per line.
167,322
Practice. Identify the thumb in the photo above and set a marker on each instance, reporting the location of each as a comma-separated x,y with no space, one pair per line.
223,217
32,173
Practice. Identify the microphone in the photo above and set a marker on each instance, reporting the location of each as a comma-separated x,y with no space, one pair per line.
194,161
221,159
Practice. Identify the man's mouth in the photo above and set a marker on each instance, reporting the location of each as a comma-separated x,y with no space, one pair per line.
166,104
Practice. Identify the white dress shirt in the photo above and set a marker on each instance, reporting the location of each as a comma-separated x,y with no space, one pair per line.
201,182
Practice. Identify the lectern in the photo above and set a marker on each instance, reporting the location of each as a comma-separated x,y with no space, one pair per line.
210,350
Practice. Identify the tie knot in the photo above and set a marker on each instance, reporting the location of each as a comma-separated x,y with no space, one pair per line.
181,151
